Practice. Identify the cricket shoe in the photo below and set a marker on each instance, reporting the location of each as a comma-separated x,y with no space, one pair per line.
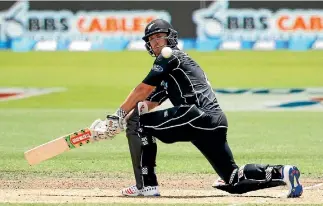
290,175
133,191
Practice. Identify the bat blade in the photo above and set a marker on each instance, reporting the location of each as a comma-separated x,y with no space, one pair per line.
58,146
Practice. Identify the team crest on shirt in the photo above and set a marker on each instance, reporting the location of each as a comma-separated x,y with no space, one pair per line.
157,68
164,84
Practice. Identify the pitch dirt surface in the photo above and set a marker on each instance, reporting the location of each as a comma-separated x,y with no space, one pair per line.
174,190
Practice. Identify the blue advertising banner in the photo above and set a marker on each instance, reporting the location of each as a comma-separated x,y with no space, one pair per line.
222,27
202,25
220,21
19,23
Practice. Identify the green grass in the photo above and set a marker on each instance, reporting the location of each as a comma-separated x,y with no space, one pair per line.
276,138
102,79
97,83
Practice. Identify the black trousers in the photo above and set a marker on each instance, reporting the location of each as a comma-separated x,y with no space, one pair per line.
187,123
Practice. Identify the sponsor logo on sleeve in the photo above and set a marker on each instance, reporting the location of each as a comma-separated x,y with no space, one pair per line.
157,68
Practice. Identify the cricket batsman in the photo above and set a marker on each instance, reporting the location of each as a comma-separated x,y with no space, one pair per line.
195,117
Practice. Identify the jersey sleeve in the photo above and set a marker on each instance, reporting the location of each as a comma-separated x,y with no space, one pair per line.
158,95
161,68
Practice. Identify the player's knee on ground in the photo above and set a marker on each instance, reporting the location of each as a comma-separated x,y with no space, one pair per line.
251,177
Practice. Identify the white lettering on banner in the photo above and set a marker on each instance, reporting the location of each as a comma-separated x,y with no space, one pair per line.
220,21
139,45
46,46
80,46
264,45
136,45
231,45
318,45
19,22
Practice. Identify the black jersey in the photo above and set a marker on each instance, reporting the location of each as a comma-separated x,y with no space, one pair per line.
181,80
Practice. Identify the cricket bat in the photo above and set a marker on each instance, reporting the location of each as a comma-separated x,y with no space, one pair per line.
59,146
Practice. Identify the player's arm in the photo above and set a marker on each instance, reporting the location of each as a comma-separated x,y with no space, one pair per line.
140,93
157,97
116,123
160,69
151,105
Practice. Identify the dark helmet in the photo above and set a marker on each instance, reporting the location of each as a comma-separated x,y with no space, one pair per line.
160,26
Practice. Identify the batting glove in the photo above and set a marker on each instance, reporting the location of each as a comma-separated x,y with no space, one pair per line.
99,130
116,123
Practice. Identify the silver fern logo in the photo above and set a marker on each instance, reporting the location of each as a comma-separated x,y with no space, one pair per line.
149,27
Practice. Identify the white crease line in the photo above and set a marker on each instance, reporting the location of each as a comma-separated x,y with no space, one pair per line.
305,188
283,195
313,186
